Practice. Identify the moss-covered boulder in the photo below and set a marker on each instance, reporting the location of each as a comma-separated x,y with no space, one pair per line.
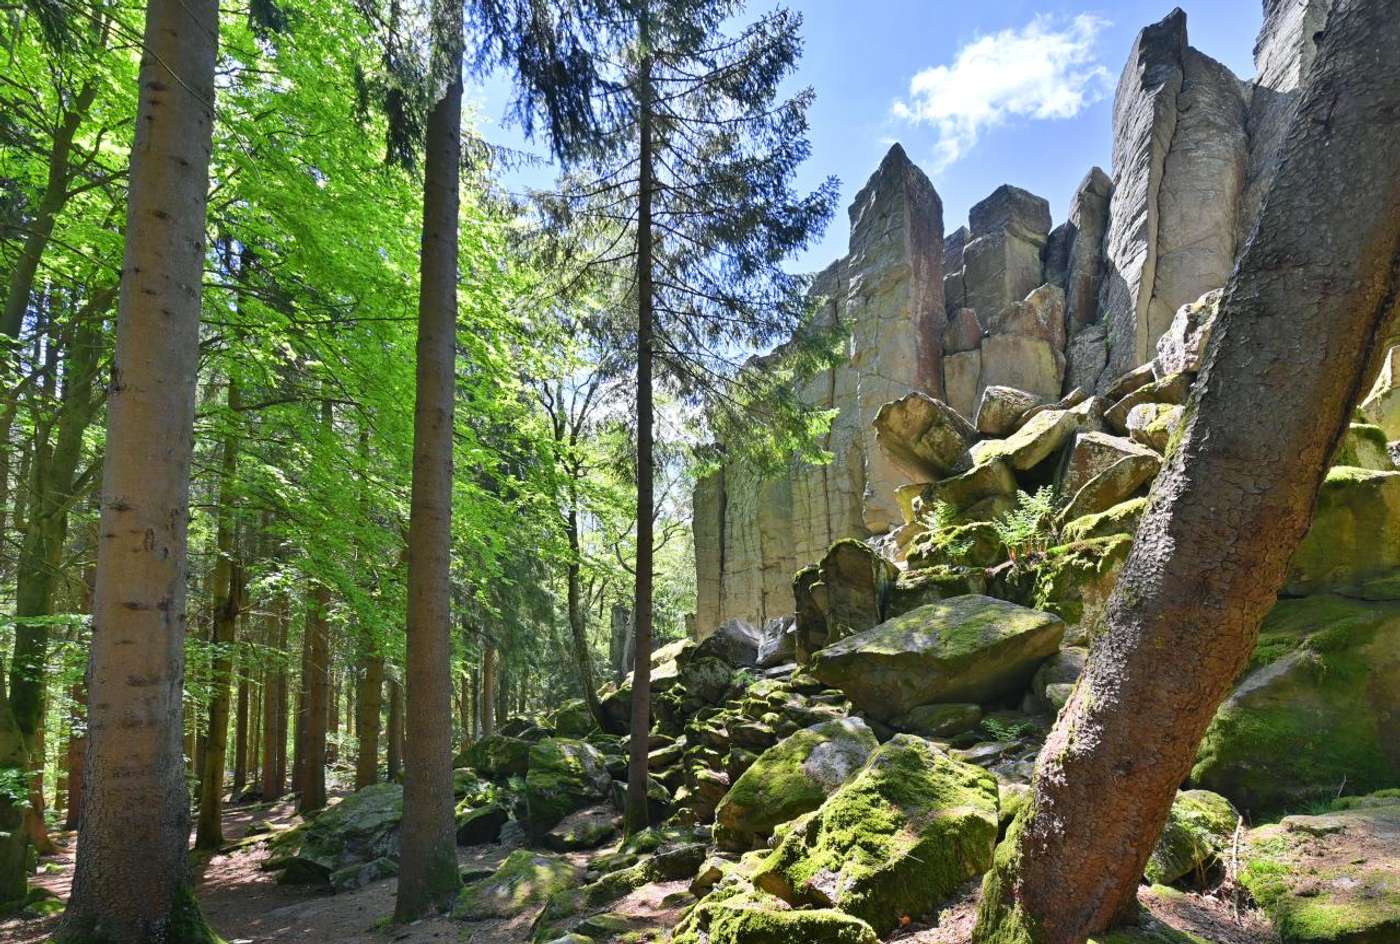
1074,581
1329,879
939,721
1198,832
479,825
565,775
1122,518
573,720
964,649
1365,447
1318,711
750,917
791,778
359,829
497,756
524,880
897,840
990,479
1042,436
1355,534
968,545
1382,405
916,588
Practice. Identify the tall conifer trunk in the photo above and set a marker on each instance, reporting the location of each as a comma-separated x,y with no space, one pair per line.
636,817
132,884
428,878
1302,318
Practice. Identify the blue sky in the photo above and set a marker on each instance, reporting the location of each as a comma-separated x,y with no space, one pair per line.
979,94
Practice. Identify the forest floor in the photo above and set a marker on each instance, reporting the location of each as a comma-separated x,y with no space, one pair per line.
246,905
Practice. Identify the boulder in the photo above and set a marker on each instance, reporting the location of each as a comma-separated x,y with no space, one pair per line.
778,642
1093,453
735,642
1002,408
1172,390
1355,534
1154,424
977,544
1041,314
1063,668
964,332
583,829
1074,581
477,826
791,778
964,649
573,720
1317,713
1024,362
1120,519
358,830
524,881
894,842
939,721
1039,438
498,757
1364,447
1114,484
962,379
989,479
1180,350
1199,831
1381,406
917,588
999,267
565,776
744,916
857,582
925,437
1329,878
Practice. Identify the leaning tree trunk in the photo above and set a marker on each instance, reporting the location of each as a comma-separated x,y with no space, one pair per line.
428,878
636,817
227,586
132,883
1299,323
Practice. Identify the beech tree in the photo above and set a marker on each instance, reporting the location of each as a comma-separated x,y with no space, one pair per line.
1300,327
137,804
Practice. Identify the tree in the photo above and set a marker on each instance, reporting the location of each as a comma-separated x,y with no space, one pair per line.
694,172
428,877
1300,326
137,804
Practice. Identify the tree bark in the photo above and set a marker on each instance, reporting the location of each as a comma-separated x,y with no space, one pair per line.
77,749
488,688
368,698
274,770
228,591
578,619
137,807
393,751
312,767
1301,319
636,817
428,878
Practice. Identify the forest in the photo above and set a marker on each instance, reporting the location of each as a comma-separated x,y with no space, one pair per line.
394,550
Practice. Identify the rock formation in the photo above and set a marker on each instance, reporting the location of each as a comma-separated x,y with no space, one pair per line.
1012,301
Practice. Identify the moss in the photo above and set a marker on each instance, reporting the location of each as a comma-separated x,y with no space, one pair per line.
1311,715
1198,831
1000,917
1074,581
1122,518
524,879
748,917
895,841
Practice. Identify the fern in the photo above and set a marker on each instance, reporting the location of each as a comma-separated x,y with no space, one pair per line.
1029,528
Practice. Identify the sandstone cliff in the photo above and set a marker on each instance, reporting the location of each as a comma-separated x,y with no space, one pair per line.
1010,300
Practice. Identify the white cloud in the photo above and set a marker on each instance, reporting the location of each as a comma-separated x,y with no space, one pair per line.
1046,69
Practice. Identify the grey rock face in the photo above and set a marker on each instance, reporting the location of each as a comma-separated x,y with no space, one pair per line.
1016,211
1002,409
1088,216
925,437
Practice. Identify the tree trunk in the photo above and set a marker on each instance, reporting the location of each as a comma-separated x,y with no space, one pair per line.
41,227
137,807
299,739
77,748
333,719
578,619
228,591
368,697
1300,321
393,759
636,817
312,795
274,770
488,689
428,878
240,733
